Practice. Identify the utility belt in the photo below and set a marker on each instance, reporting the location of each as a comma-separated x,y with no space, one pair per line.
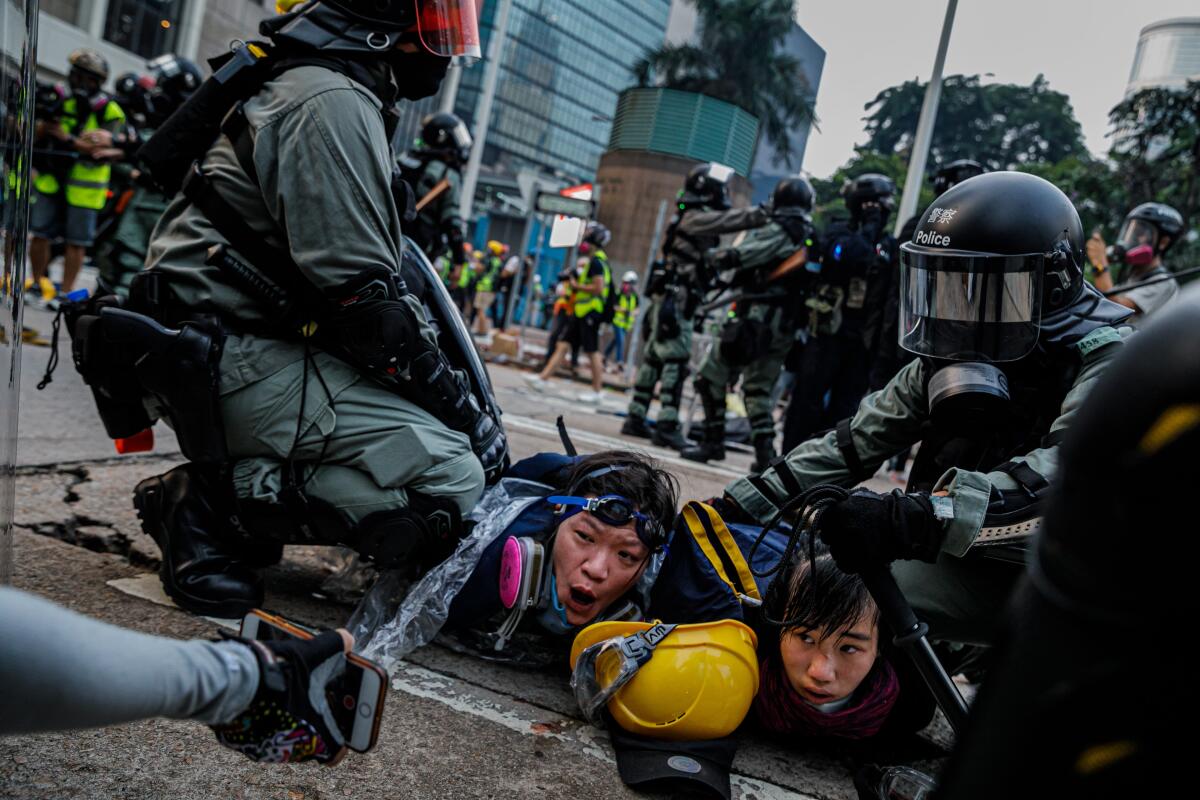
140,370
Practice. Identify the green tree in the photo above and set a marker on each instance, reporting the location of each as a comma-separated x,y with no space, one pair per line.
829,190
737,58
1093,186
1003,126
1156,151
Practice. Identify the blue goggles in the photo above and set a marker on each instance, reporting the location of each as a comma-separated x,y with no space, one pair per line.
615,510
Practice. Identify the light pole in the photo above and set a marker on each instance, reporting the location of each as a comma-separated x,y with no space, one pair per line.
483,109
920,150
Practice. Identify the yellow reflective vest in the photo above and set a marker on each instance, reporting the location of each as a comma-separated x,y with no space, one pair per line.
626,311
87,181
586,302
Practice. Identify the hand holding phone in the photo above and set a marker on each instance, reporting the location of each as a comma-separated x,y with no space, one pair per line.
355,697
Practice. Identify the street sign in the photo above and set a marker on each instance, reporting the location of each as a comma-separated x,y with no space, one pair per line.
568,231
553,203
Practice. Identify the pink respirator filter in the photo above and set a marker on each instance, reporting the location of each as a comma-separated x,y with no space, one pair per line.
511,567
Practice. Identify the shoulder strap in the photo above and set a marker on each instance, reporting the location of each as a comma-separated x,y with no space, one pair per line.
713,538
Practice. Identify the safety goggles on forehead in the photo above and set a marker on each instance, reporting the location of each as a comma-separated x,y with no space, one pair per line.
450,28
605,667
611,509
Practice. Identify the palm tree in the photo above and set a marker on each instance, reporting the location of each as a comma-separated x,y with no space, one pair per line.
737,58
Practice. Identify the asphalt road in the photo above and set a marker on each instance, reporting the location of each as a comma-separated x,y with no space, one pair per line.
455,726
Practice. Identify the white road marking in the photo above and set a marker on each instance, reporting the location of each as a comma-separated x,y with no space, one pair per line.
530,720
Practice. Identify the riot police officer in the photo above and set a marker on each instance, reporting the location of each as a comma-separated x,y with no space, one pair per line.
675,288
1010,340
338,419
1147,234
433,169
855,262
769,265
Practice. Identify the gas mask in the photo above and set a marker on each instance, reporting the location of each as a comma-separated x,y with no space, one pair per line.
966,393
1137,245
419,74
84,87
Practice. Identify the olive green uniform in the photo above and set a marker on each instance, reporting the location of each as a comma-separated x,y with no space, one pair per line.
122,254
961,596
760,250
323,192
668,347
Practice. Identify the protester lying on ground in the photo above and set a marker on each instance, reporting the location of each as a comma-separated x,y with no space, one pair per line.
62,671
822,673
559,543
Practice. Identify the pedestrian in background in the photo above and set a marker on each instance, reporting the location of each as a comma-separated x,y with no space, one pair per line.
624,316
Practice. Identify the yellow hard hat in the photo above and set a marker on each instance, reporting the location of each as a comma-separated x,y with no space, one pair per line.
284,6
678,682
495,247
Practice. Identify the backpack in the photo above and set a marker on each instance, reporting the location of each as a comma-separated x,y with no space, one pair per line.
707,573
610,297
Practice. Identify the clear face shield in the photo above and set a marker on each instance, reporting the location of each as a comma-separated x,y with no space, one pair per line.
604,668
450,28
1138,243
966,306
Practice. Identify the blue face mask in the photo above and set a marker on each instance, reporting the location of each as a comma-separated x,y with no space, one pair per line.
554,616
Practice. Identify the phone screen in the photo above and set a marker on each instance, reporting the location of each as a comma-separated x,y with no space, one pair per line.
352,712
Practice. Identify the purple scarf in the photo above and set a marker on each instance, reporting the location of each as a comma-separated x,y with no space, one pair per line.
781,709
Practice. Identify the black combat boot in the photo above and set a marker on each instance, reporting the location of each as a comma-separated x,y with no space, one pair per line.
712,447
203,571
668,434
764,453
636,426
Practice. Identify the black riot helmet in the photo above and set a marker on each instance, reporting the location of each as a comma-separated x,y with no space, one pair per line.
132,93
597,234
955,173
1149,231
445,28
175,79
175,76
707,185
988,260
793,197
446,136
870,187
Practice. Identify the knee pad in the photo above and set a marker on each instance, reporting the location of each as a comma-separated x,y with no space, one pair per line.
412,539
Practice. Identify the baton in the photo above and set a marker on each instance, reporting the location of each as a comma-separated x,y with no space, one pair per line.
909,634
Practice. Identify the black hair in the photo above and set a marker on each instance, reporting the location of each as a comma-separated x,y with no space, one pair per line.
638,478
814,594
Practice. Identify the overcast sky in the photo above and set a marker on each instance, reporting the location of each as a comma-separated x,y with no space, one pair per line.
1085,50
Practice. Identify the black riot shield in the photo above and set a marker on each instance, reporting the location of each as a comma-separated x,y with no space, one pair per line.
454,339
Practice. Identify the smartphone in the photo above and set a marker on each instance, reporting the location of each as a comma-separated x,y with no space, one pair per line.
355,697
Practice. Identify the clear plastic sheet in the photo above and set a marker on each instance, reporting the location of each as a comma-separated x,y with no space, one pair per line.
390,636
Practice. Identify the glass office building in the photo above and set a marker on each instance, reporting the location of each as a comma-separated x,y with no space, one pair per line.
564,63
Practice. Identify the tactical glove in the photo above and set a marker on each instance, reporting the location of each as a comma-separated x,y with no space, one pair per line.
289,719
867,529
490,445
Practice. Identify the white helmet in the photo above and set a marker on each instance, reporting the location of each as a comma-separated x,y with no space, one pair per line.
629,277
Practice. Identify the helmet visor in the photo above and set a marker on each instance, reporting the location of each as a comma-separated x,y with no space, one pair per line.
968,306
450,28
1137,232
